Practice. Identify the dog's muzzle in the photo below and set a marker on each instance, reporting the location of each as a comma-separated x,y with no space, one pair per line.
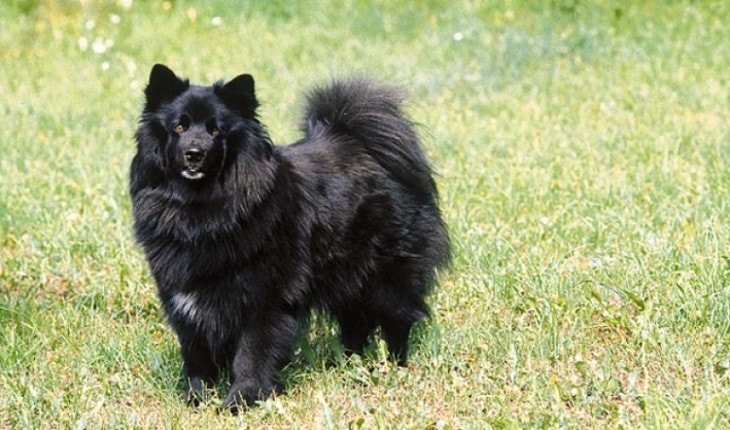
194,159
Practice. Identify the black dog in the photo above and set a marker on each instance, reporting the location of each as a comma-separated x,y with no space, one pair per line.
244,238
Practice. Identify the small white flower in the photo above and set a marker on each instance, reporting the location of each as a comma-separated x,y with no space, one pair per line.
126,4
114,18
99,47
216,21
105,66
90,24
653,241
458,36
83,43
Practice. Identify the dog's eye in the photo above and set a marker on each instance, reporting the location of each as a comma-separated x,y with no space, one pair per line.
215,131
180,128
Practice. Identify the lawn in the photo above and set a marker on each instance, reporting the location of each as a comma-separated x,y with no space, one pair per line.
583,151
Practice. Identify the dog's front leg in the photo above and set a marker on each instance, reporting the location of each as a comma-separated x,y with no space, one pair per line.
262,350
199,370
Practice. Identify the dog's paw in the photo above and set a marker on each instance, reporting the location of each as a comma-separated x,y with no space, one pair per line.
197,392
242,396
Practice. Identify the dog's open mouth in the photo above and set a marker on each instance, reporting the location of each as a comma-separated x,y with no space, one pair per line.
192,174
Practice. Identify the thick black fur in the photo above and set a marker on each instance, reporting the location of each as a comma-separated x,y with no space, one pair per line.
244,238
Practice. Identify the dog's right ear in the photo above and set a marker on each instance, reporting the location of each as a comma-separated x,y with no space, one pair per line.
164,86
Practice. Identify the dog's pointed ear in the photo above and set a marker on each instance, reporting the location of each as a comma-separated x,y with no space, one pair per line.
163,86
242,84
239,94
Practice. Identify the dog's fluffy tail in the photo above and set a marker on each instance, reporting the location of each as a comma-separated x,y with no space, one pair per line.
372,114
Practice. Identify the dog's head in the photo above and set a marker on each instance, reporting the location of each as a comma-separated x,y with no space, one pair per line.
196,129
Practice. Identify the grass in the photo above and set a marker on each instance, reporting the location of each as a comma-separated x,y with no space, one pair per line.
584,158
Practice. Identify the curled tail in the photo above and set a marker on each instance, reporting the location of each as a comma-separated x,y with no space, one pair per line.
371,114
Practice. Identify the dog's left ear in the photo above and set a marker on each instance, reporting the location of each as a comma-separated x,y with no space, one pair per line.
238,94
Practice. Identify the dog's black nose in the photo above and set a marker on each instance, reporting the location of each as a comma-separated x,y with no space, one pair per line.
194,155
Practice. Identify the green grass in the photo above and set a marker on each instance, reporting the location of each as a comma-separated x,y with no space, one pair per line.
584,158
